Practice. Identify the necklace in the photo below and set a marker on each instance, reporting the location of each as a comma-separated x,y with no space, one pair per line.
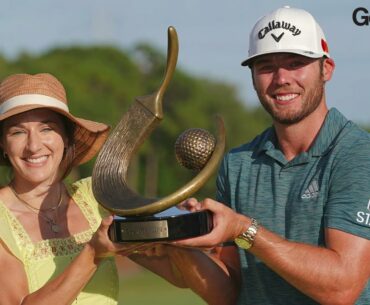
54,227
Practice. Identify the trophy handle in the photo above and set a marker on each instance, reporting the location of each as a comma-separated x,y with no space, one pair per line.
110,169
154,102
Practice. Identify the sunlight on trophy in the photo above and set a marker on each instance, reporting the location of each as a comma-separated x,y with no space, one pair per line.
138,218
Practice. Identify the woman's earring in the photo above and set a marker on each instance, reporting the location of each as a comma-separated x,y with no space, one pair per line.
5,156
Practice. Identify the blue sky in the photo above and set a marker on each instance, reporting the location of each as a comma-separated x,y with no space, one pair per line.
213,36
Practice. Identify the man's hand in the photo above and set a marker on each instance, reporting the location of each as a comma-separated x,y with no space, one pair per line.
227,224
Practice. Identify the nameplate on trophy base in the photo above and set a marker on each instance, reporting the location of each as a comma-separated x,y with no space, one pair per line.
160,227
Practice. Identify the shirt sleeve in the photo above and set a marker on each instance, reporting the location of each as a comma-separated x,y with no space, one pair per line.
348,207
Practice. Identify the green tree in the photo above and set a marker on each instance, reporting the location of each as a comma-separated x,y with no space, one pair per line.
102,82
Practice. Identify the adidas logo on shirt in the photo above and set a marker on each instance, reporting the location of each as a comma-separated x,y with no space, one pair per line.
312,191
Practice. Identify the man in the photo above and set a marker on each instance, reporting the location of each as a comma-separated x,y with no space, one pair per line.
299,193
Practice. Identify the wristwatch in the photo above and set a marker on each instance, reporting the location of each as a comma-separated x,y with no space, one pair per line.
246,239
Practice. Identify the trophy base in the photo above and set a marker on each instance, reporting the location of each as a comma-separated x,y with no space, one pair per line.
160,227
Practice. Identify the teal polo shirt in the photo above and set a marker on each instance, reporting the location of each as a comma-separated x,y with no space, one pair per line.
327,186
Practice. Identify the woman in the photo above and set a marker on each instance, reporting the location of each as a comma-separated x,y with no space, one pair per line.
54,247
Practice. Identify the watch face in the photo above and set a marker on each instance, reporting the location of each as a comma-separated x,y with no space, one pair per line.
242,243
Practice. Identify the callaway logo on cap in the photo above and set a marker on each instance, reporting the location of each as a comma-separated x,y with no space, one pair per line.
289,30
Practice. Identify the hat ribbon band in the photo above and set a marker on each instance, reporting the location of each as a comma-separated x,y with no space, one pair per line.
32,99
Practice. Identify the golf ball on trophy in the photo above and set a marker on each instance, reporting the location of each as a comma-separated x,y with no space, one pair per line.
194,147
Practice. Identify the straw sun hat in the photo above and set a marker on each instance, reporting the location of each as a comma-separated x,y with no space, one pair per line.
23,92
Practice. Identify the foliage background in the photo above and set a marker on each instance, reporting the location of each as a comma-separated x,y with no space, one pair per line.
103,81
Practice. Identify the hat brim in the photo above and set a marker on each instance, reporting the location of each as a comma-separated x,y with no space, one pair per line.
88,137
309,54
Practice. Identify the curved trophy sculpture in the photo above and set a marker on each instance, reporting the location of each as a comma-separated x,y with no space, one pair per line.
109,176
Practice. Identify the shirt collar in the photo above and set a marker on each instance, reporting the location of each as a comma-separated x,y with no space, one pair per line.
325,140
268,141
332,126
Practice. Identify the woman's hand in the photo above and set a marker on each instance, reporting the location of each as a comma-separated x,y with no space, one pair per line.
191,205
104,247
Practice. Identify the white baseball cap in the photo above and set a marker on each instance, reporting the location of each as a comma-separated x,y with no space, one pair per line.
287,30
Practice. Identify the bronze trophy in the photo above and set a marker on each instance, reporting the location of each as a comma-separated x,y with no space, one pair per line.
152,219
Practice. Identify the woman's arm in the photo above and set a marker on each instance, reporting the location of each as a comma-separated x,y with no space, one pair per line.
63,289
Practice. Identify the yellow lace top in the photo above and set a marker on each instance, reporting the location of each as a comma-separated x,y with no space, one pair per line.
46,259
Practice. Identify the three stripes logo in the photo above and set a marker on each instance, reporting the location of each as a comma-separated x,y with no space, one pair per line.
312,191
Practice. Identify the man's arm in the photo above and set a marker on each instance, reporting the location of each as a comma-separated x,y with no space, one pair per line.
335,274
213,275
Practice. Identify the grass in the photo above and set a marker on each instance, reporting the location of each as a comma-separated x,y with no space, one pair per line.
143,288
